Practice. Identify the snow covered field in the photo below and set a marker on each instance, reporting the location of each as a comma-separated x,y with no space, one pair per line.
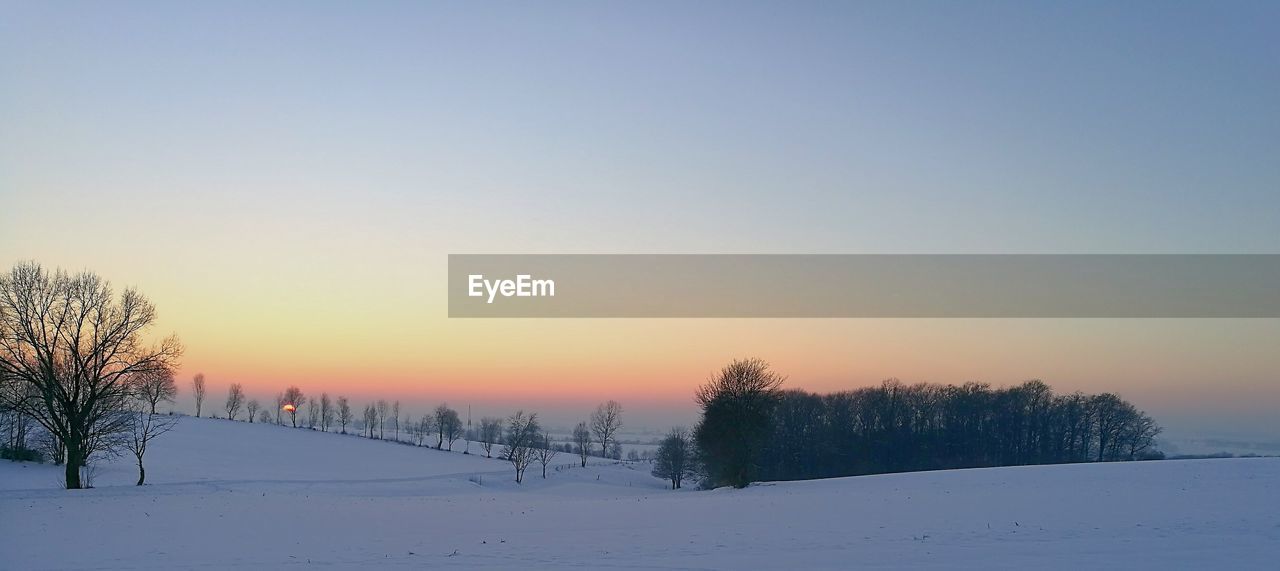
226,494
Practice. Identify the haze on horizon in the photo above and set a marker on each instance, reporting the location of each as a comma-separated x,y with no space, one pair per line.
285,182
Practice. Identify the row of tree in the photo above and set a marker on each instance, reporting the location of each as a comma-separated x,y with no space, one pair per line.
751,429
520,436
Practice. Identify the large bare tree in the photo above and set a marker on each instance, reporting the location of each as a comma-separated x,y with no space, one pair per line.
68,348
605,422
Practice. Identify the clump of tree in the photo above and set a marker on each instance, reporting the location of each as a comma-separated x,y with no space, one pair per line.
676,459
737,414
522,441
896,427
69,350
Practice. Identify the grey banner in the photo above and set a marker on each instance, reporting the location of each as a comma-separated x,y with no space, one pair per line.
659,285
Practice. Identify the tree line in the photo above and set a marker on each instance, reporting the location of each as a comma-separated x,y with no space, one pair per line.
752,430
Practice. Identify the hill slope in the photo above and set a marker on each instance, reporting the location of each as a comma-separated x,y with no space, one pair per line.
234,494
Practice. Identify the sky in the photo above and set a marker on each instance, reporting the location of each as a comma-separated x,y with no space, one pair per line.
285,181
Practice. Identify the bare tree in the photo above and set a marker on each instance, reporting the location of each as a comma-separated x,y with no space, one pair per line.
17,428
371,420
235,399
582,442
293,401
326,412
490,433
448,426
395,419
197,389
313,413
605,422
252,407
675,460
522,440
454,429
68,347
382,417
264,416
145,426
344,413
155,386
420,429
280,402
1139,435
545,452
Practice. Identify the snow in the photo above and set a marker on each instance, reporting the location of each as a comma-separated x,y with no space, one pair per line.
226,494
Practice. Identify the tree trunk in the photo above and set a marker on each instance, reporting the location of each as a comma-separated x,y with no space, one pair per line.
73,468
142,473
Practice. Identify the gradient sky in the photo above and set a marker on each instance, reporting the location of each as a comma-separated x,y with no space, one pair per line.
285,182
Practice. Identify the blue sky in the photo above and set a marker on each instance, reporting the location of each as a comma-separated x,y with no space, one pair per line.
204,149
